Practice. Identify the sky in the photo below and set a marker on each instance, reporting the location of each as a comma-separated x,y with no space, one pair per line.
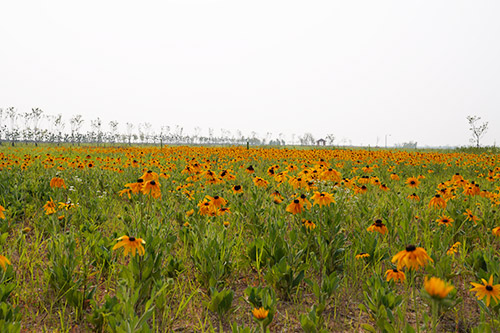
363,71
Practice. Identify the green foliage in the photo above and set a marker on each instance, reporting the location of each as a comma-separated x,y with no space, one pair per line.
380,302
220,302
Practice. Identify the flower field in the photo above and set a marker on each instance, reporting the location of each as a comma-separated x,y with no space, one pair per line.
194,239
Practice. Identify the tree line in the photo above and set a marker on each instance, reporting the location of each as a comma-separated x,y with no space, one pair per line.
35,127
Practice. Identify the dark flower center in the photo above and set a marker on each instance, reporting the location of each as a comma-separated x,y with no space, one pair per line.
412,182
379,223
216,197
489,288
395,270
131,239
237,187
296,201
152,182
149,171
410,248
140,180
302,196
322,195
437,196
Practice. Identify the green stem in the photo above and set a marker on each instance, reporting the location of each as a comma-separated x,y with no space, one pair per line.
415,303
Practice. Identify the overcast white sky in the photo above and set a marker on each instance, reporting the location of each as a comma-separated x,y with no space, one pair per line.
358,69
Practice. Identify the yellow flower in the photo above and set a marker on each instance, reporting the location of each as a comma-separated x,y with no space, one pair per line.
310,225
322,198
217,201
3,262
412,182
152,187
486,289
131,244
437,288
495,231
50,207
2,216
412,257
437,202
470,216
362,255
445,220
150,175
294,207
260,313
378,226
395,274
57,182
453,249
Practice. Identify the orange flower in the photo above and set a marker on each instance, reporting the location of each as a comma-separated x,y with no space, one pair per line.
412,257
295,207
57,182
412,182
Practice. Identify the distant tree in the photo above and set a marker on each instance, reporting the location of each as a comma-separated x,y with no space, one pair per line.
14,131
330,138
76,123
478,131
307,139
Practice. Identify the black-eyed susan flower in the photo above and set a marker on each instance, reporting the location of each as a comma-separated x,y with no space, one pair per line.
437,202
50,207
378,226
295,207
308,224
453,249
496,231
362,255
445,220
4,262
322,198
250,169
414,197
217,201
260,313
130,244
189,212
237,189
437,288
207,208
260,182
2,215
137,186
394,176
470,216
304,201
487,289
411,257
395,274
412,182
277,197
57,182
152,188
150,175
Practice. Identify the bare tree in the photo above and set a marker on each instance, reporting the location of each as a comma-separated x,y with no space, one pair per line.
14,131
76,123
330,138
478,131
113,128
